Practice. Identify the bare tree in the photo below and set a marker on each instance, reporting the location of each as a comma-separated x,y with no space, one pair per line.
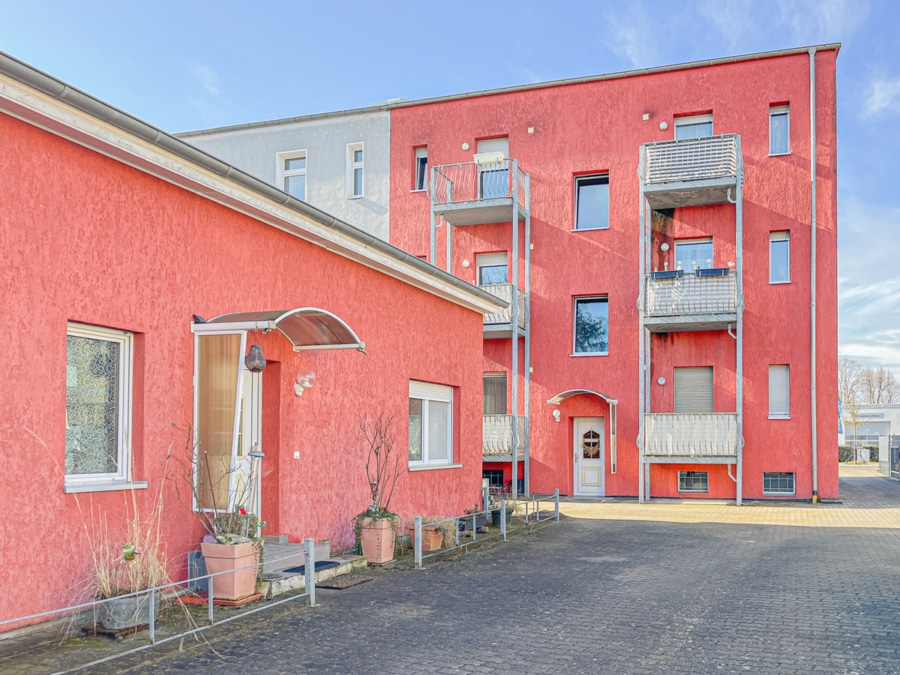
879,386
850,391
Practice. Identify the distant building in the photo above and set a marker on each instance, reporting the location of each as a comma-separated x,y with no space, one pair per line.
668,255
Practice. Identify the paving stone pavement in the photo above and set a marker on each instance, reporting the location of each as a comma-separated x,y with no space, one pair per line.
616,587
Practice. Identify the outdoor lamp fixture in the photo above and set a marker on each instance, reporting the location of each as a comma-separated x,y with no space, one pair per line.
556,416
255,361
305,379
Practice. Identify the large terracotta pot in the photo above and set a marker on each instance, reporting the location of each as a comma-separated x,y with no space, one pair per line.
239,583
377,540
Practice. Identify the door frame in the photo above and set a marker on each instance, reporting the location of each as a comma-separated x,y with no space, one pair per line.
577,458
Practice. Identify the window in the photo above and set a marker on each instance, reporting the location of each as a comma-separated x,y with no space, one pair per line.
693,481
98,405
693,390
421,169
693,255
592,202
494,478
779,257
693,127
492,269
779,129
495,393
778,483
292,173
493,176
355,170
430,424
779,392
591,325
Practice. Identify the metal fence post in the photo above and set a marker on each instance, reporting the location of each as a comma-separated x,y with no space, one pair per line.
556,500
417,549
309,569
485,498
153,616
209,600
503,519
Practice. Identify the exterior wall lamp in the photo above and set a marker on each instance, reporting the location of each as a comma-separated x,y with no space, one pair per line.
305,380
255,361
556,416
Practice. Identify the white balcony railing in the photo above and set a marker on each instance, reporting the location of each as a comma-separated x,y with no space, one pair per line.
691,159
690,435
681,294
504,315
496,432
471,183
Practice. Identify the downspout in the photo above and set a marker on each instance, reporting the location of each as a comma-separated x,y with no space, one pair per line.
812,272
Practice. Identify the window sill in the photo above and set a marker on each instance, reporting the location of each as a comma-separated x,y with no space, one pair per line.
353,197
580,354
433,467
74,488
779,154
423,190
589,229
779,283
779,417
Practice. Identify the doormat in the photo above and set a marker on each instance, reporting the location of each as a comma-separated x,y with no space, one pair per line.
344,581
320,565
200,598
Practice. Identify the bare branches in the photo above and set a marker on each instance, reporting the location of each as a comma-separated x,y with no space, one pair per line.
382,465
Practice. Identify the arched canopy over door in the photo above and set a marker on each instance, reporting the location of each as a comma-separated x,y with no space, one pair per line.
613,403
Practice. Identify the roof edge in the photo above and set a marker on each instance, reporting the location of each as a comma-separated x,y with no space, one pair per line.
408,103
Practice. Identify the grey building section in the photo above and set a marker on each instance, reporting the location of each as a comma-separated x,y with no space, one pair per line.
328,142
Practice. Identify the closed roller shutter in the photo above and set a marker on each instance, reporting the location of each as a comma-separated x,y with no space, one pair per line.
694,390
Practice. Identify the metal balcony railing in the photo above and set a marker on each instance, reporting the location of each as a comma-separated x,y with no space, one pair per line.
504,316
690,435
692,159
496,433
471,182
708,291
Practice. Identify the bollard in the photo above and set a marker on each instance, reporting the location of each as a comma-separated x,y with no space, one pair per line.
417,552
556,500
153,616
309,567
503,519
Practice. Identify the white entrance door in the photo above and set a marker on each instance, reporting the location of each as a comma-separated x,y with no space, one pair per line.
590,450
246,479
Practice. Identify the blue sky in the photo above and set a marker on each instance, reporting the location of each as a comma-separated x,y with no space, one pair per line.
188,65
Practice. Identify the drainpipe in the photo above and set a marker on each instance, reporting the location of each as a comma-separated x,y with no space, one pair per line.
812,272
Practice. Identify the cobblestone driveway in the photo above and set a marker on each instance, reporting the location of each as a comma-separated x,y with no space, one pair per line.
615,588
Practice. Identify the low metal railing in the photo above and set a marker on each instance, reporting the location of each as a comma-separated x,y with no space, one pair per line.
477,182
691,159
151,598
504,315
690,434
496,434
529,509
680,293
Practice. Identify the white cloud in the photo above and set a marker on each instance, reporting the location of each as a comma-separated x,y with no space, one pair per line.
630,34
209,78
815,21
883,94
733,19
206,96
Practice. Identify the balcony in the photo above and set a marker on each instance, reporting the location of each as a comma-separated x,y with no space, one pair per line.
685,438
677,301
691,171
499,324
496,433
473,193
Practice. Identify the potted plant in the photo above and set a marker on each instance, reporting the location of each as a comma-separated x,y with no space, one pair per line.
376,527
435,530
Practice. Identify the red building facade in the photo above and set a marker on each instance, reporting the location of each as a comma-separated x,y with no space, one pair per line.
677,211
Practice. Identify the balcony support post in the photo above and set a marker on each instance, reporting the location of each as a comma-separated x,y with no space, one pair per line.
739,342
642,336
514,264
526,308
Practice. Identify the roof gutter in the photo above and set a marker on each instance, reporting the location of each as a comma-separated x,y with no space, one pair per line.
60,91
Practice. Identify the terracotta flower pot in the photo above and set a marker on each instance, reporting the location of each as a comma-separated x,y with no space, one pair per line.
377,540
432,538
239,583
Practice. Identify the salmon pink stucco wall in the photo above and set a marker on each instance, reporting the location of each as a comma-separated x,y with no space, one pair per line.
559,132
86,238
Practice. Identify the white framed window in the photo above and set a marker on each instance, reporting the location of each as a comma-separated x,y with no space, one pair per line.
779,392
98,407
779,130
780,257
354,170
696,482
695,126
420,169
779,483
291,170
430,424
591,329
592,202
494,394
493,268
493,168
693,254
